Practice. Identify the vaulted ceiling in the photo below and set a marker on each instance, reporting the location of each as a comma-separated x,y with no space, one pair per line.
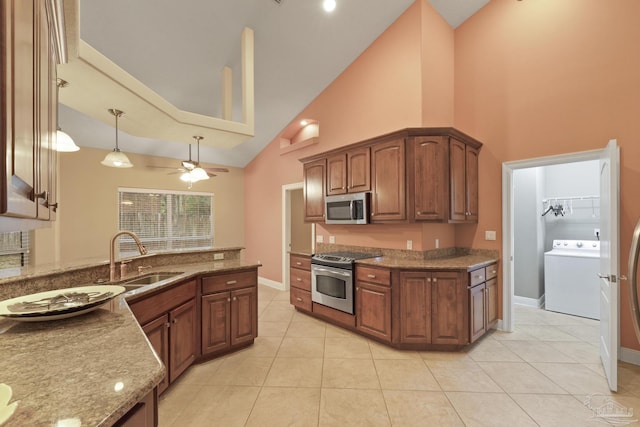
178,50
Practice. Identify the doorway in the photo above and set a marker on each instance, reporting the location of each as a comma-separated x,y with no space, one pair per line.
297,236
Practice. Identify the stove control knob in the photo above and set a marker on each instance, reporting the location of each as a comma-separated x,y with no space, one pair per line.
579,244
594,244
566,244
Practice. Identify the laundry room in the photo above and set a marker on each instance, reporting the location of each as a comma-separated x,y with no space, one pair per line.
556,237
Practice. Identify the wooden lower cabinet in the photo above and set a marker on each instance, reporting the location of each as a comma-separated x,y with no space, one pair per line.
183,342
229,318
415,308
491,287
477,315
483,299
157,332
373,310
143,414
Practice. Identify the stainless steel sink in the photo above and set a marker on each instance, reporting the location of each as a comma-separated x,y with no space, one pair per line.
149,279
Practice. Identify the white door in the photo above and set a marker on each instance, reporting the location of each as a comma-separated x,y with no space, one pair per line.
609,264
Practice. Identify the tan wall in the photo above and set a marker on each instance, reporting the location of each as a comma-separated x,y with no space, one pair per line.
548,77
300,231
88,214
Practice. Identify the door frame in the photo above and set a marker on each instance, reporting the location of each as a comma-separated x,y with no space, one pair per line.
286,230
507,322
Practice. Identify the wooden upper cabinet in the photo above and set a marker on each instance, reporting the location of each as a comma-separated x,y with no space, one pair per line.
463,163
359,170
428,178
314,190
337,174
388,181
29,103
349,172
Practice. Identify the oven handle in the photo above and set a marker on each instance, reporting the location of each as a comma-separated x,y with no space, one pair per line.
326,270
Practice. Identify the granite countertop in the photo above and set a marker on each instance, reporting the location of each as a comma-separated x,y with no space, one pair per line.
457,263
91,369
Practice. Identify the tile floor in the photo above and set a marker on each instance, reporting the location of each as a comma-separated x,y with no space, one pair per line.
303,372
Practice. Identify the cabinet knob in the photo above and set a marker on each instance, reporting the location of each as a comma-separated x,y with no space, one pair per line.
174,321
357,289
167,325
231,282
479,276
298,299
371,276
428,279
234,298
418,213
228,299
493,272
435,279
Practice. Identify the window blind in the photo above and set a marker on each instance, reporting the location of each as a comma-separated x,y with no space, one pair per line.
14,249
164,220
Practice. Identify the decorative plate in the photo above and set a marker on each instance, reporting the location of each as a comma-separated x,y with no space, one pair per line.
6,410
58,304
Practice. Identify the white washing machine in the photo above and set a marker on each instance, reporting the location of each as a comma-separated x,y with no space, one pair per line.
571,283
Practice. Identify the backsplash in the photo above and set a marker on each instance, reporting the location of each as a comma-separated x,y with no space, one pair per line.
407,254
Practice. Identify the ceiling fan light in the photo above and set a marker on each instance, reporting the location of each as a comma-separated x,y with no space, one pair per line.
329,5
64,143
199,174
117,159
188,164
186,177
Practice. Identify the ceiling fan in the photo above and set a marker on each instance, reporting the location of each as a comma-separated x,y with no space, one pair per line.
190,169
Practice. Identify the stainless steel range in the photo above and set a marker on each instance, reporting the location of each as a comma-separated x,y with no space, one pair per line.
332,279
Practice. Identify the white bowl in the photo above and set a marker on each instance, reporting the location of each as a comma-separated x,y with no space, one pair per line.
6,410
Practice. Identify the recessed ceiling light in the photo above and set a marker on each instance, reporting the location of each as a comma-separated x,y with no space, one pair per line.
329,5
304,122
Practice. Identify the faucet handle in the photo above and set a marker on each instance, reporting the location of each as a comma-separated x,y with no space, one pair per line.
123,268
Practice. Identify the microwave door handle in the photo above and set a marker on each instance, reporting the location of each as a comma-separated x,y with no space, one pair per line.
324,270
352,206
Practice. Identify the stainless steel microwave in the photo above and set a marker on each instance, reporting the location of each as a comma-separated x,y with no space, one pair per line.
347,209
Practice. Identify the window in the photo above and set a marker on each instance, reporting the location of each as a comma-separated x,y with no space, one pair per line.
165,220
14,250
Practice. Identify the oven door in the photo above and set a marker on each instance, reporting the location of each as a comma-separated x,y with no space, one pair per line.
332,287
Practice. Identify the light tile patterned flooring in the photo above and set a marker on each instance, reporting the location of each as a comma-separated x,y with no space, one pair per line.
303,372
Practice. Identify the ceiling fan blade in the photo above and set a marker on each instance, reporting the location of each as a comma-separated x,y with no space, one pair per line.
216,170
211,175
160,167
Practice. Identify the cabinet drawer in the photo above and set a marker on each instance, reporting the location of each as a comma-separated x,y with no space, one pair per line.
381,276
477,276
226,282
155,305
301,262
491,271
300,298
300,279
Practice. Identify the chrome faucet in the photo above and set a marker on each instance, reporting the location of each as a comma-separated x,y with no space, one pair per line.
112,250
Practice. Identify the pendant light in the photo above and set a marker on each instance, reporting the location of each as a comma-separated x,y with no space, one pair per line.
198,173
116,159
64,143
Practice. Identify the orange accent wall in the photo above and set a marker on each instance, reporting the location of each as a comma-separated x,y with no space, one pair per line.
548,77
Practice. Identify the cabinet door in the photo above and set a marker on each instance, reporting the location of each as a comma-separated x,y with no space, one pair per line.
458,195
18,125
337,174
415,308
216,322
244,315
44,131
157,332
471,183
373,310
447,309
477,312
430,178
359,170
491,307
314,190
388,181
182,338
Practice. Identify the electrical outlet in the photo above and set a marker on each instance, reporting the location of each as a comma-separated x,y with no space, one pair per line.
332,239
596,232
489,235
409,244
319,238
218,256
437,243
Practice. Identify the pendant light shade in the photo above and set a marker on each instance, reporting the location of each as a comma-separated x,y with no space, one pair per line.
64,143
117,159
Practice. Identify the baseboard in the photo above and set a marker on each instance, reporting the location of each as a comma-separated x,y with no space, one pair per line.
272,284
529,302
630,355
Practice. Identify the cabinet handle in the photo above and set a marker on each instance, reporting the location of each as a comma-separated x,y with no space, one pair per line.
298,279
493,272
298,299
371,276
232,282
298,263
479,276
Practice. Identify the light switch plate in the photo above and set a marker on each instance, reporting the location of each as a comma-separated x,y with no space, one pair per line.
218,256
319,238
489,235
409,244
332,239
